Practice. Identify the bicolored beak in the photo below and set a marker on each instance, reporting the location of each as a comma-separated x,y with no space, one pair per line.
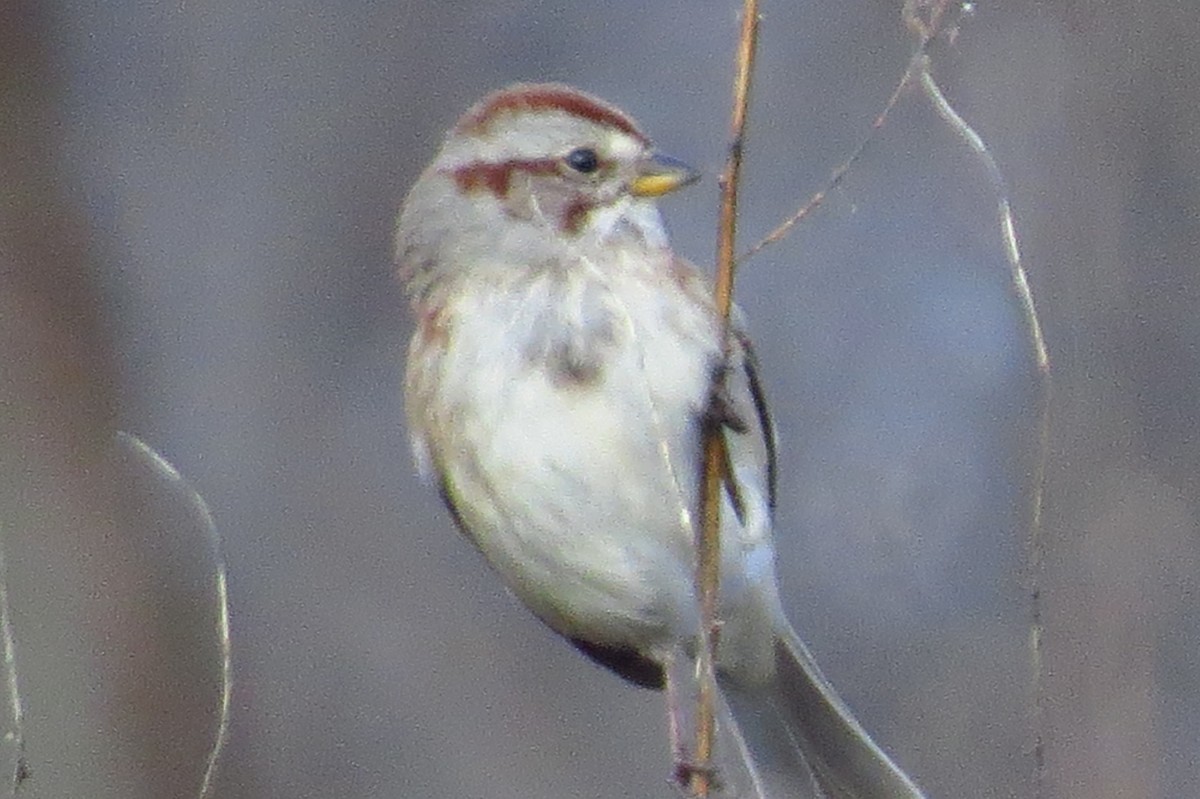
661,174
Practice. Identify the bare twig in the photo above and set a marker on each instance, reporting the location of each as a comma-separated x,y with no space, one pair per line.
835,178
16,712
1033,328
927,19
709,544
924,18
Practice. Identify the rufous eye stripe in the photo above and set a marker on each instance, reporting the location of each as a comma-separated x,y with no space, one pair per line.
544,97
497,177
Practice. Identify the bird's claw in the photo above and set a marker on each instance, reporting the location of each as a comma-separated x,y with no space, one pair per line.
686,772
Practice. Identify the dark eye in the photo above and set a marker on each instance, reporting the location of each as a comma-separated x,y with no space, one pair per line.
583,159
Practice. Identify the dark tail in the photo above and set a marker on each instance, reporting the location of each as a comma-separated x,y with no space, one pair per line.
798,739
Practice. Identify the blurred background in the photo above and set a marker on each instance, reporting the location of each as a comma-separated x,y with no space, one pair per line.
196,201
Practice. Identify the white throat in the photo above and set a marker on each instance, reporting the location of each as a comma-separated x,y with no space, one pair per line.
628,216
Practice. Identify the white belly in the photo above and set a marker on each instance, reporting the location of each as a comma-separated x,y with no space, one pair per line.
580,493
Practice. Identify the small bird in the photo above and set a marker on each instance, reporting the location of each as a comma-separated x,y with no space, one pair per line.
564,364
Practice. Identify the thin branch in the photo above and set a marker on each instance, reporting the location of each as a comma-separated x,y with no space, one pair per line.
924,18
1007,228
1033,327
927,19
835,178
709,544
16,712
220,587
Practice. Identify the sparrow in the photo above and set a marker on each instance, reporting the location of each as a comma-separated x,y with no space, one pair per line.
564,366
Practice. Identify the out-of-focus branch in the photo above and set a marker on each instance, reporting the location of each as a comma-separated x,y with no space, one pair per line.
66,518
189,517
16,712
54,392
709,543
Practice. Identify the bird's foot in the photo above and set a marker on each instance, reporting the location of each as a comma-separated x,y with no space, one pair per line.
688,773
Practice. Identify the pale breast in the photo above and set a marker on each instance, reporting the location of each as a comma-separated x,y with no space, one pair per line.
563,414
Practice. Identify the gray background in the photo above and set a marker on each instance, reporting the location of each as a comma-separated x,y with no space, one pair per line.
194,236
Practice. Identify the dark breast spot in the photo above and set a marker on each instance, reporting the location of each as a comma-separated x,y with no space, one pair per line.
572,366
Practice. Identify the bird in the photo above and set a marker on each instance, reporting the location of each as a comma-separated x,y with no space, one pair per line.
563,367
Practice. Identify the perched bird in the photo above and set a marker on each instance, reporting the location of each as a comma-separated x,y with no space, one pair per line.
558,381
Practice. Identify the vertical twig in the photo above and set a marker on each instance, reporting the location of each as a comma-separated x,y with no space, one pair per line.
16,717
1033,327
709,544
